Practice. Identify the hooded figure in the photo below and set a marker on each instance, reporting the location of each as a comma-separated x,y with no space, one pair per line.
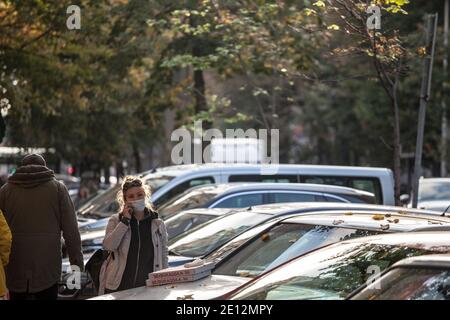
38,209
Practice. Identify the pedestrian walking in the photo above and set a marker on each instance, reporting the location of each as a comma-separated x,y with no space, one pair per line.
39,210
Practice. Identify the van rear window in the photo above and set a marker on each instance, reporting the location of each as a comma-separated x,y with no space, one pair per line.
263,178
366,184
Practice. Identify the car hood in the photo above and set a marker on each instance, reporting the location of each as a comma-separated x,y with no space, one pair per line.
204,289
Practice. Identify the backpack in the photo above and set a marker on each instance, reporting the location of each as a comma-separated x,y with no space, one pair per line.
94,265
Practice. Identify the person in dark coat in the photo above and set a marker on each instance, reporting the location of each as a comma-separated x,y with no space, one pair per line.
38,210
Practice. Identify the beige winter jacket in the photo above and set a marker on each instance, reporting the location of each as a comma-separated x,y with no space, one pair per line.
117,240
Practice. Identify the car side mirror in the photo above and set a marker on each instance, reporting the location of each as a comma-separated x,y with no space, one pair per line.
404,199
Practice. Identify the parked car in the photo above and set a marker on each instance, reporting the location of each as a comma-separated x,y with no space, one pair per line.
434,194
269,245
171,181
202,241
333,272
240,195
417,278
265,247
229,196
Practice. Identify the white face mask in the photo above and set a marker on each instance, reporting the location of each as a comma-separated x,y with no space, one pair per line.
138,205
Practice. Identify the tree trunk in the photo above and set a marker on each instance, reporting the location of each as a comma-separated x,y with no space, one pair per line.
397,149
107,175
137,157
119,170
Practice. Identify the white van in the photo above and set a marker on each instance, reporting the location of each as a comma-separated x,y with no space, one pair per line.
378,181
168,182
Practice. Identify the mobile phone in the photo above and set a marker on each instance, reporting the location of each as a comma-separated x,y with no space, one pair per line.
131,209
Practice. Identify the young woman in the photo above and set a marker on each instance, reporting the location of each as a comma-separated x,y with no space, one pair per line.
136,239
5,249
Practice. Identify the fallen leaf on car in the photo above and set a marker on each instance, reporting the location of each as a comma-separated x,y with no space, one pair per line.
393,220
348,213
335,222
378,217
265,237
244,274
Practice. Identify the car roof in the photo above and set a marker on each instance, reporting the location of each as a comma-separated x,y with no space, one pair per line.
434,241
368,220
434,180
205,211
431,260
293,207
226,188
236,167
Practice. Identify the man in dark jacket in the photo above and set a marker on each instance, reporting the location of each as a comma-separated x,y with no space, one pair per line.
38,208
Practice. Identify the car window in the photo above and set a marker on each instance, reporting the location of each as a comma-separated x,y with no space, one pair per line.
181,223
241,201
282,243
371,185
187,200
180,188
333,199
330,273
203,241
410,284
263,178
106,203
434,190
279,197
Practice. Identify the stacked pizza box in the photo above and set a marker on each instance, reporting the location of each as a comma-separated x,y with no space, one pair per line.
185,273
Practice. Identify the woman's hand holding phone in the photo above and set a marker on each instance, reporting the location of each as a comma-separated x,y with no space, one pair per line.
127,211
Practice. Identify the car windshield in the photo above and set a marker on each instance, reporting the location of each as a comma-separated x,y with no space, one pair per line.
105,204
410,284
203,241
188,200
282,243
329,273
434,190
183,222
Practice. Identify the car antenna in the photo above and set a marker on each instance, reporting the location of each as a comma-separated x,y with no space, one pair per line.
445,211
